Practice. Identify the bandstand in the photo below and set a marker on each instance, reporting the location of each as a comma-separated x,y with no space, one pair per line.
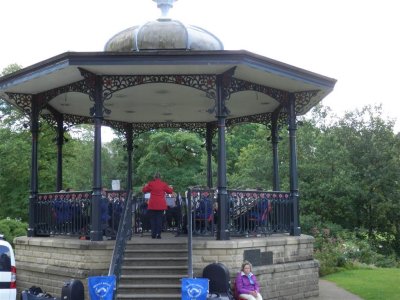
165,74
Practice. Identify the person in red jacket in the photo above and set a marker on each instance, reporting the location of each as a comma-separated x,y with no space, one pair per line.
157,203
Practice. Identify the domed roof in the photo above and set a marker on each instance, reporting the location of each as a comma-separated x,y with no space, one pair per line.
163,34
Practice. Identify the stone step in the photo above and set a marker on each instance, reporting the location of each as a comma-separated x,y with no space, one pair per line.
176,296
153,268
158,288
149,270
152,279
164,244
155,261
145,253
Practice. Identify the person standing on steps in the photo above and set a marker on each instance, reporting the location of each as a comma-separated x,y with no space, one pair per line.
157,203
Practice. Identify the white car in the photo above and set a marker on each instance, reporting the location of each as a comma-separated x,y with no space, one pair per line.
8,284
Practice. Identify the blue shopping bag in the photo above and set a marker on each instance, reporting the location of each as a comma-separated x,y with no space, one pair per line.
101,287
194,288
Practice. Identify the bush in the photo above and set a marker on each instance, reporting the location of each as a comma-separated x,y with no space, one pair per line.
12,228
337,248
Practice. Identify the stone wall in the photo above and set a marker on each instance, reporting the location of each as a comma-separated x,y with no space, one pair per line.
284,265
49,262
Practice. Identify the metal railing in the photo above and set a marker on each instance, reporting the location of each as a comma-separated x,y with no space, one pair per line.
251,213
123,235
69,213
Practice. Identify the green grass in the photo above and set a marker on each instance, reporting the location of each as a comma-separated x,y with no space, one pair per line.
369,284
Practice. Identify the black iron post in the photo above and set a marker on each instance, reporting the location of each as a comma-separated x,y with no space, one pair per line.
129,149
209,154
222,195
96,233
294,190
275,141
34,165
60,143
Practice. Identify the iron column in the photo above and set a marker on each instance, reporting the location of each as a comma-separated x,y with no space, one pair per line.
294,190
34,165
223,207
96,233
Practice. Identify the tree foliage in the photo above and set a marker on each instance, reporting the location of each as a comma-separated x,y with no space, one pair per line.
177,156
352,178
12,228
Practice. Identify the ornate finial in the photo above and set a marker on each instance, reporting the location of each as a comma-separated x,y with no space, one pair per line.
164,5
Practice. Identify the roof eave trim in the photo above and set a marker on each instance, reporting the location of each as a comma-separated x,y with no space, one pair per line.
235,57
29,74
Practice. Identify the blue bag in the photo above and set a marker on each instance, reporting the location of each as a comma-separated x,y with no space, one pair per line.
101,287
194,288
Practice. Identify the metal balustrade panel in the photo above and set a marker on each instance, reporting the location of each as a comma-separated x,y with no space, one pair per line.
251,213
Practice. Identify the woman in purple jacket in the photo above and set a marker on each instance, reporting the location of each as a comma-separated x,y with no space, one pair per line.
246,283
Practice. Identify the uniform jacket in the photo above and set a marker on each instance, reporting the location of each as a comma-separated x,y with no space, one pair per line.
157,189
243,285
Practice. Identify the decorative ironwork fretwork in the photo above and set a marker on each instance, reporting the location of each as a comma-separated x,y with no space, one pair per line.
90,82
264,119
51,120
93,83
46,97
54,118
197,127
205,83
113,83
71,120
23,101
238,85
212,126
303,100
121,127
278,120
259,118
224,80
139,128
79,87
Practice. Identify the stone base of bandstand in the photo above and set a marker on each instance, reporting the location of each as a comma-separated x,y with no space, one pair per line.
48,262
284,265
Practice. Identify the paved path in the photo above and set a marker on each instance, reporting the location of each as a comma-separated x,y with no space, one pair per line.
330,291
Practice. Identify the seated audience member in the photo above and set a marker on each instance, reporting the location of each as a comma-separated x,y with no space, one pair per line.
246,283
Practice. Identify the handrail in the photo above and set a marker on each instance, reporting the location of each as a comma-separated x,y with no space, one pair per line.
188,199
123,235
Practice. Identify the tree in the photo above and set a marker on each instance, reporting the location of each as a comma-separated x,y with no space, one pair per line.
374,156
11,69
253,165
14,173
351,176
239,137
176,155
9,115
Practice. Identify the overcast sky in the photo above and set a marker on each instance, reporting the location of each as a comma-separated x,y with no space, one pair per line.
353,41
